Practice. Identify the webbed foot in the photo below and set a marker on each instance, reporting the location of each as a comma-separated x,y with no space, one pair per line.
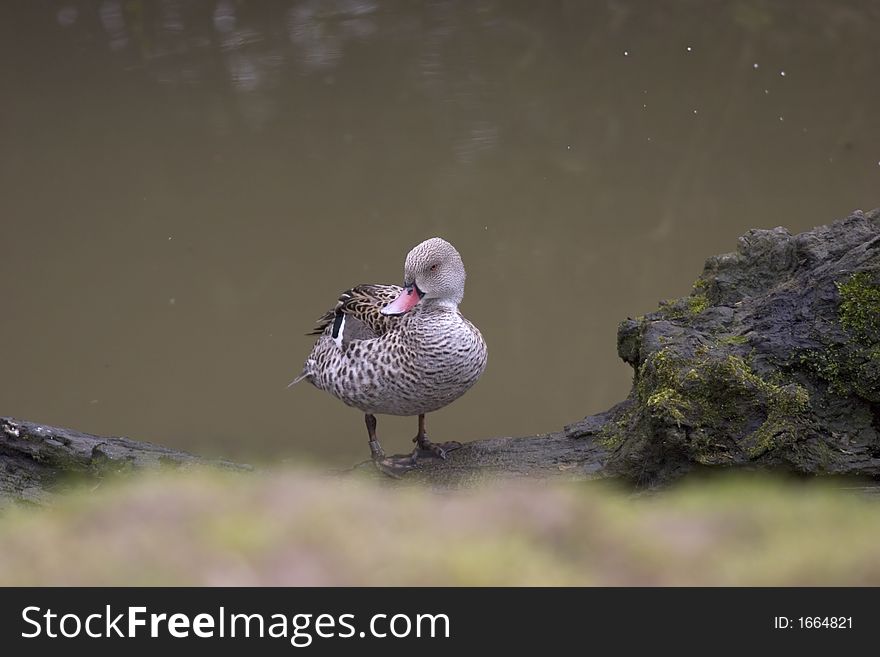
396,466
425,447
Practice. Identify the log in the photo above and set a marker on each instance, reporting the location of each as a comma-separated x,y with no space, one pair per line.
772,362
38,461
543,456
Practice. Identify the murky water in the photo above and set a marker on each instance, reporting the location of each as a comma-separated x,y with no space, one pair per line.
187,185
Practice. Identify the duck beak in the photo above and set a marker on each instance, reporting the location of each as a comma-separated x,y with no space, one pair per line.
407,299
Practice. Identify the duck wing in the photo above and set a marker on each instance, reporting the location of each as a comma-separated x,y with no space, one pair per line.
360,308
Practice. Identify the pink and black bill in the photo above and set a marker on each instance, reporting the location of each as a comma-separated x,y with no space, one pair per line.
409,296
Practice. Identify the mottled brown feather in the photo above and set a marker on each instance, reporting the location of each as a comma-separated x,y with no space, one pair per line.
365,303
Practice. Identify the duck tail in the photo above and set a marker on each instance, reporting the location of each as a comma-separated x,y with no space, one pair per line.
302,376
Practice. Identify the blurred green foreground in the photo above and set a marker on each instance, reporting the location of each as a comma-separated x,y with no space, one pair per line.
296,528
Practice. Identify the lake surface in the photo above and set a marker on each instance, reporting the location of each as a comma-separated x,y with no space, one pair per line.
186,186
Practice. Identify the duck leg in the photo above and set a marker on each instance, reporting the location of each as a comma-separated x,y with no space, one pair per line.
393,466
433,449
376,450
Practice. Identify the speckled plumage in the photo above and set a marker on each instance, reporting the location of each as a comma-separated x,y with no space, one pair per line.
408,364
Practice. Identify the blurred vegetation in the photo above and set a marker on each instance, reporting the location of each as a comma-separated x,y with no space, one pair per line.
298,528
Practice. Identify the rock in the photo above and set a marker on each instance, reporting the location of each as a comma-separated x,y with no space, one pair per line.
772,361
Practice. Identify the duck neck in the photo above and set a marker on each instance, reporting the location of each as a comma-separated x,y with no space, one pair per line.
439,305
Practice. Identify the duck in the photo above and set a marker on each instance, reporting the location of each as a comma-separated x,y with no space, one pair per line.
400,350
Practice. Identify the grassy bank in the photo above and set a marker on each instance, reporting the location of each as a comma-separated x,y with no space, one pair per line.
297,528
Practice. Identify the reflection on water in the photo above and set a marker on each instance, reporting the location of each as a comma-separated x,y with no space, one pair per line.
187,185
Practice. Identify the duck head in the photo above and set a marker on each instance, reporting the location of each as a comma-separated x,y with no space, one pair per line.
433,273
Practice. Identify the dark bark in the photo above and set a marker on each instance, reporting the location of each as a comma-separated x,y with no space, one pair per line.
37,461
552,455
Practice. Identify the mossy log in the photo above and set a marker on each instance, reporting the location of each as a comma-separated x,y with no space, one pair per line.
771,362
37,461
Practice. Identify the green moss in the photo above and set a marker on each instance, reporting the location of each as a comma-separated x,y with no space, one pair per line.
847,369
615,432
698,303
852,367
712,393
825,455
830,366
859,310
690,306
685,307
670,402
733,340
784,404
657,386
